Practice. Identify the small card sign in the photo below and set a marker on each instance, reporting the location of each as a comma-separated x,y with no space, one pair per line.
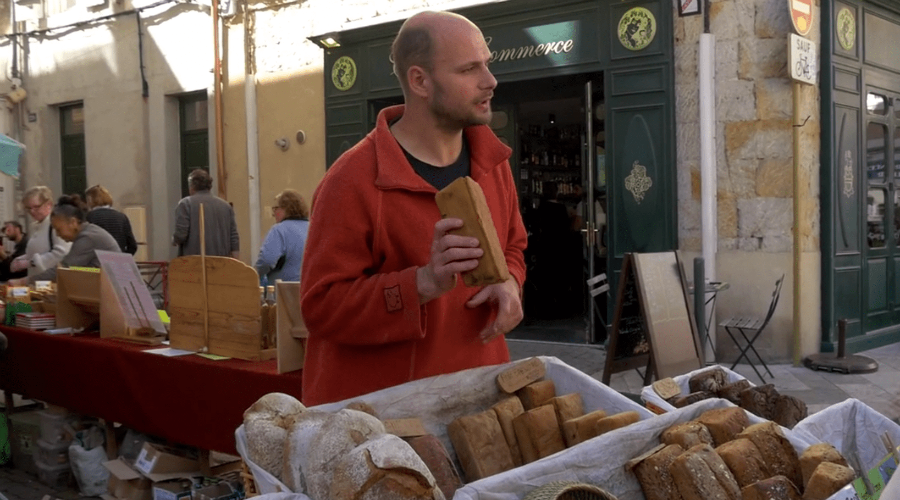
405,427
520,375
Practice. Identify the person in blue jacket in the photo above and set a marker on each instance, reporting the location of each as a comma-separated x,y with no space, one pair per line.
281,253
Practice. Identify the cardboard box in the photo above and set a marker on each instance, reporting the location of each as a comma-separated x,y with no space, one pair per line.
220,491
125,483
173,490
160,463
25,430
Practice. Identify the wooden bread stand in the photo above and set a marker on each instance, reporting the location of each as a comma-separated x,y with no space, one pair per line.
291,331
77,297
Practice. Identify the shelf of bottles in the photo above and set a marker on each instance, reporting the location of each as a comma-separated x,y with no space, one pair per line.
550,153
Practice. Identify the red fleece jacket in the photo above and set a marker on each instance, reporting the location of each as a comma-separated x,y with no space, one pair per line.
371,227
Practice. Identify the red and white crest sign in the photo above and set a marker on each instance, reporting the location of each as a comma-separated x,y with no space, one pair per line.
801,15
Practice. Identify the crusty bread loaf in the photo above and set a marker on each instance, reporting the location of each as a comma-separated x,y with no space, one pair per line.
778,453
432,452
686,434
382,468
464,199
732,391
826,480
789,411
724,423
760,400
266,424
578,430
708,381
297,448
773,488
362,406
682,401
536,394
617,421
653,474
343,431
538,433
507,410
744,460
695,478
480,445
816,454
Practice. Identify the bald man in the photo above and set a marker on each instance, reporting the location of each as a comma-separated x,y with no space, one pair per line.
380,291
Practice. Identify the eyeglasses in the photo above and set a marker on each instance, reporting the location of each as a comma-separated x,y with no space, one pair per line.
32,208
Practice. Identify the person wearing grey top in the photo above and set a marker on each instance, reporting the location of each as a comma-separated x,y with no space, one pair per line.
219,226
68,219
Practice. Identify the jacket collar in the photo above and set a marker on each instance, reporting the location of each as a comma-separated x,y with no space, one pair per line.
393,170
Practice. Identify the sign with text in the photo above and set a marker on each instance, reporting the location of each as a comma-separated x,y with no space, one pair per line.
801,15
802,59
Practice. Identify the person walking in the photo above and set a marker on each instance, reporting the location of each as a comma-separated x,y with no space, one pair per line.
220,228
101,213
380,292
281,253
45,248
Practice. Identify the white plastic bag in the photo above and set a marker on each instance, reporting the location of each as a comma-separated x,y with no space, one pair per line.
87,465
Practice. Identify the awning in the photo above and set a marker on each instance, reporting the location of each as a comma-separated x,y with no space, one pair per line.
10,151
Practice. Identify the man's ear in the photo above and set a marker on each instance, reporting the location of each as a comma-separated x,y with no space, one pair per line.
419,81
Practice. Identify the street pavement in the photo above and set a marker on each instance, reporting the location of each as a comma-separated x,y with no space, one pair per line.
818,389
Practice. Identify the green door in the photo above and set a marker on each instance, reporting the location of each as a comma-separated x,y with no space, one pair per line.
74,178
194,135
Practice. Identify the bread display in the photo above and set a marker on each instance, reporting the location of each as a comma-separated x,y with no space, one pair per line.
724,423
382,468
773,488
538,433
744,460
686,434
480,445
766,402
652,471
267,423
776,450
507,410
816,454
696,480
578,430
616,421
437,459
536,394
826,480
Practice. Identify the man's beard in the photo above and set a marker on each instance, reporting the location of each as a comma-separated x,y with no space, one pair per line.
452,118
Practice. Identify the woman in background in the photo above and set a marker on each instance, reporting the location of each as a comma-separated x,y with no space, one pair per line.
282,250
116,223
45,248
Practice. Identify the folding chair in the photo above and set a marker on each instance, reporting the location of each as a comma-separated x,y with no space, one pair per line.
744,325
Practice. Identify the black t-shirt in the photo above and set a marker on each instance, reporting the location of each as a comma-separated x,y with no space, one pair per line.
441,177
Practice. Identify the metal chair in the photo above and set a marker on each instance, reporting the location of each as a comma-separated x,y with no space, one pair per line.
744,325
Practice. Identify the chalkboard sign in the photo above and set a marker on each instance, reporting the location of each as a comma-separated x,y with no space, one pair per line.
651,326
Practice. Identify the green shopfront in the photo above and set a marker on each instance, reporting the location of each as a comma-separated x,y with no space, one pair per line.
585,99
861,173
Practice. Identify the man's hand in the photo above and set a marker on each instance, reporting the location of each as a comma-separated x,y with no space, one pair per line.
505,297
18,264
450,255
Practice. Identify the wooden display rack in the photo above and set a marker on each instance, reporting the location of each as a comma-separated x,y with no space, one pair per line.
214,308
291,330
77,298
127,311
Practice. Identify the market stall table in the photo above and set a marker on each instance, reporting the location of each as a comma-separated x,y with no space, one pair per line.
188,400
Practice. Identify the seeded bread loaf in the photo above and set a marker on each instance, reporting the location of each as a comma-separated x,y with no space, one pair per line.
826,480
538,433
789,411
480,445
773,488
507,410
696,480
744,460
724,423
686,434
816,454
732,391
778,453
578,430
652,472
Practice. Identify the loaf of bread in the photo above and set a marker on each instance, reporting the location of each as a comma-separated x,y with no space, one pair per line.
826,480
760,400
578,430
464,199
266,424
537,394
708,381
744,461
652,472
682,401
700,474
773,488
686,434
567,407
507,410
778,453
816,454
617,421
298,448
382,468
724,423
362,406
788,411
732,391
538,433
480,445
432,452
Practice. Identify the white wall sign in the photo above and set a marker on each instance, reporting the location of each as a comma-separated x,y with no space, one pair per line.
802,61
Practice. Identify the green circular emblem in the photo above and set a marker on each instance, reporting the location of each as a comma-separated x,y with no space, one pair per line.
343,73
846,28
637,28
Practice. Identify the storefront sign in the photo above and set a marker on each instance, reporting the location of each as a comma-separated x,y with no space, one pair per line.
801,15
846,28
637,28
526,51
343,73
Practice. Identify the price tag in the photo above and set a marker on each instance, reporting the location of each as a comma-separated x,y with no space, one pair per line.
521,375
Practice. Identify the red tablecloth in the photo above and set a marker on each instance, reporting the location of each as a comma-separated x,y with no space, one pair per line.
187,399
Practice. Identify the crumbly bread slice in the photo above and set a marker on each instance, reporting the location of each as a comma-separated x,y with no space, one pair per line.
724,423
816,454
744,460
686,434
778,453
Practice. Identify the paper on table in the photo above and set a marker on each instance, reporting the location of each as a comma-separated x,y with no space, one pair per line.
169,352
214,357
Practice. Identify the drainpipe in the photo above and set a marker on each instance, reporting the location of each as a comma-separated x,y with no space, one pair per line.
795,130
708,182
221,173
252,137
